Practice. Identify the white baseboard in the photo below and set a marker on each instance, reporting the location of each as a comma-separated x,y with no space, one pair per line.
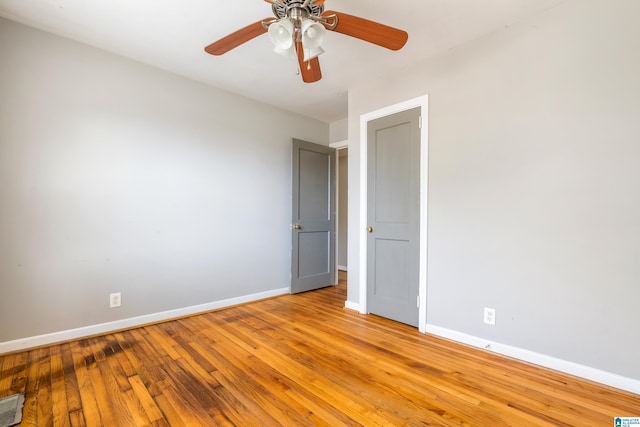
132,322
342,267
352,306
586,372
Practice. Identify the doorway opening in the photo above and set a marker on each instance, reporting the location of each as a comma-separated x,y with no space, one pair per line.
342,223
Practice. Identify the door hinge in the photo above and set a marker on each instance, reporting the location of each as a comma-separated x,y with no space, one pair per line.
419,122
418,301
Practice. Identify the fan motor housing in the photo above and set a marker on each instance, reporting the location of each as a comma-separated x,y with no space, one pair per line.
296,9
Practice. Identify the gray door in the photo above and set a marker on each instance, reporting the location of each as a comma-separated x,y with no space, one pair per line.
393,209
313,219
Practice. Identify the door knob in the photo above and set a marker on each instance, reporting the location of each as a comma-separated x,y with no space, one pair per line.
370,229
296,226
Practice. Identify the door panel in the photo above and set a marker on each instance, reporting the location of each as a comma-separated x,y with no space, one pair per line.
314,185
392,270
310,244
313,231
392,176
393,246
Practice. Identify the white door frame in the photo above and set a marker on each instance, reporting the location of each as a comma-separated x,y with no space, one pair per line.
423,103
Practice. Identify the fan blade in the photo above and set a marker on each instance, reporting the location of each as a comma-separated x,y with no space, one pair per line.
372,32
237,38
310,70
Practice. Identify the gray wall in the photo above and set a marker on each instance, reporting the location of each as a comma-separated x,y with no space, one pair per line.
534,194
115,176
338,130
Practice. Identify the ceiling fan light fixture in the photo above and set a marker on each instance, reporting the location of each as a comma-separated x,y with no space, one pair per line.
281,34
309,54
298,32
287,53
312,34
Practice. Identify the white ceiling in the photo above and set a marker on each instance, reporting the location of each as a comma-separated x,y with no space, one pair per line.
171,34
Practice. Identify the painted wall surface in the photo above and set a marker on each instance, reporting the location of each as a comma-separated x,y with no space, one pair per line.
338,130
534,194
118,177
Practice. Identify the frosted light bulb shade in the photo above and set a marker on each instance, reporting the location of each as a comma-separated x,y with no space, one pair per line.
287,53
281,34
312,34
309,54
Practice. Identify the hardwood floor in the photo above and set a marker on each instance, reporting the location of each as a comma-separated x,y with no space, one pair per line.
294,360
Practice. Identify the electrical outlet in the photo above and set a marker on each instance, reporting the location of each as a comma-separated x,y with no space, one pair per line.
115,300
490,316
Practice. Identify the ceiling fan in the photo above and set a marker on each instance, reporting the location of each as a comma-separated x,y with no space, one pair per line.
298,32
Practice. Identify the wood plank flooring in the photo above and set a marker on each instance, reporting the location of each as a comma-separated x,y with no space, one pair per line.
295,360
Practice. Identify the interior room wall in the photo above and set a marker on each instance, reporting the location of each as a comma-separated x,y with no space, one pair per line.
338,130
533,183
118,177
